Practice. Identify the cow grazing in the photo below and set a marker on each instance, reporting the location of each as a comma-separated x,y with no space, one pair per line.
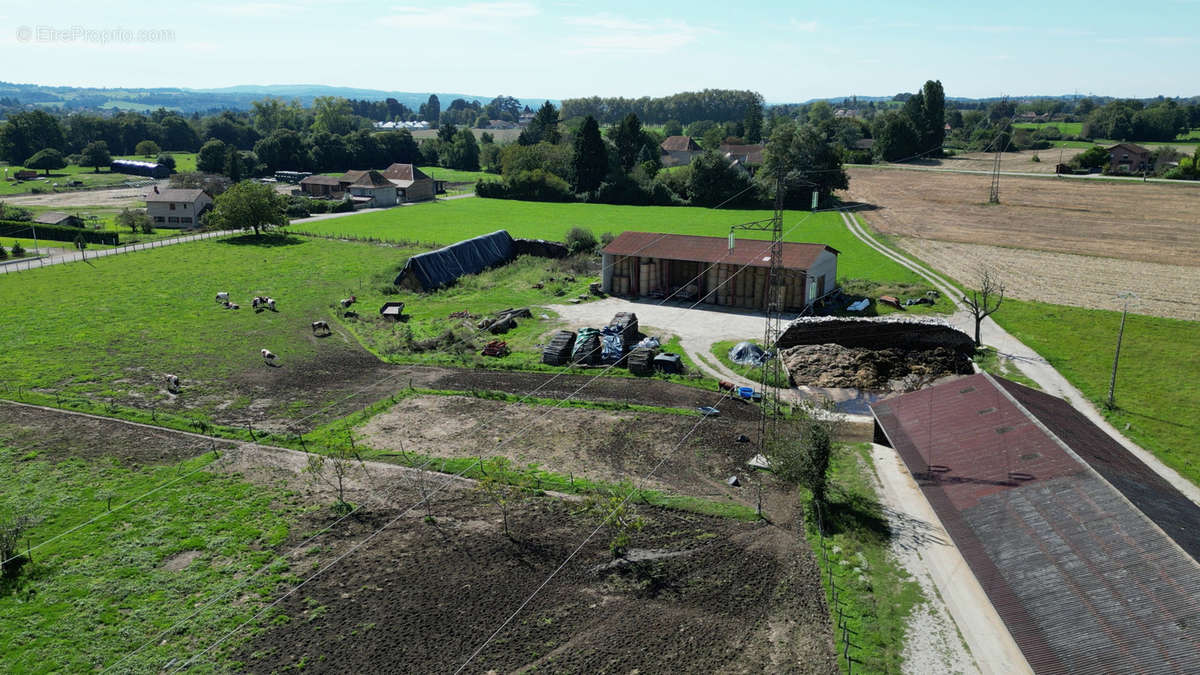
268,356
271,304
232,305
321,328
172,382
346,302
223,296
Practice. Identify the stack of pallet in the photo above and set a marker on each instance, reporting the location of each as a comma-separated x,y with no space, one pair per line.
587,347
627,323
497,348
558,352
640,361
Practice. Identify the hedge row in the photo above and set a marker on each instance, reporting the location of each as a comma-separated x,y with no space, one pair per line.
13,228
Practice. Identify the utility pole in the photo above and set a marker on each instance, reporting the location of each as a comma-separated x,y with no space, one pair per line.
1112,383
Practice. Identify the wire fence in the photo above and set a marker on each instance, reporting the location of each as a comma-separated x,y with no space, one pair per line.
24,265
837,611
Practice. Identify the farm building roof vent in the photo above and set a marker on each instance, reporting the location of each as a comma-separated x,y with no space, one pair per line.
987,411
966,390
1003,430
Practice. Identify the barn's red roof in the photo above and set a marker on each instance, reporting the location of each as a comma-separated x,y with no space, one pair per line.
1087,554
749,252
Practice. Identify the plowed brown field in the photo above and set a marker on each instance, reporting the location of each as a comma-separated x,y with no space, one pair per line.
1128,220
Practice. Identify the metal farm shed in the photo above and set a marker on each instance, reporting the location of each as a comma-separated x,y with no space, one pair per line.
704,268
1088,555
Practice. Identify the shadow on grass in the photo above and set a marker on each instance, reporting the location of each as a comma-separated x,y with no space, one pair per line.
265,240
858,514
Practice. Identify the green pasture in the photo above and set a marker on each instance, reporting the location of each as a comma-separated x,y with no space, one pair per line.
1067,128
454,175
1158,381
60,176
97,594
111,328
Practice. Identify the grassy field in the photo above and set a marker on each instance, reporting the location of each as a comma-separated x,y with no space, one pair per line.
153,312
454,175
97,594
1067,128
446,222
1158,382
60,177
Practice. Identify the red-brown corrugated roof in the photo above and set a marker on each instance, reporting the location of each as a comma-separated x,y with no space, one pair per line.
750,252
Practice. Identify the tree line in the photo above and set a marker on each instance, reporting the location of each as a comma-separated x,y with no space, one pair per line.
717,105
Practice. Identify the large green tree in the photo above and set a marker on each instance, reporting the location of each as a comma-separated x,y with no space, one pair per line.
628,141
895,136
248,206
753,124
589,162
713,182
282,149
211,158
333,114
431,110
933,130
462,153
543,126
46,159
27,132
805,160
95,154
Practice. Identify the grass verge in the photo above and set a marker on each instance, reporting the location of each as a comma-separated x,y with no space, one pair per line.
720,351
875,593
1158,380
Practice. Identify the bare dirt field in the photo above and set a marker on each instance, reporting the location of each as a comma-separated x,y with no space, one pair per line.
712,595
602,445
1171,291
57,436
1147,222
1019,162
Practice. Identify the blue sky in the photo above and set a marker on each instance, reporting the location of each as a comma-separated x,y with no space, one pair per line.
788,51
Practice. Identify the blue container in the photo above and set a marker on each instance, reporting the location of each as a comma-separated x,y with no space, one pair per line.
746,392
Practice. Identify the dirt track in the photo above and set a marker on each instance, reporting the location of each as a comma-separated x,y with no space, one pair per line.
1148,222
1063,279
1020,162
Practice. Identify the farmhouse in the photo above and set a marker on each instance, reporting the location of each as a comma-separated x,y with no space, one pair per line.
411,184
678,150
58,218
371,190
177,207
748,157
1128,158
1088,555
706,269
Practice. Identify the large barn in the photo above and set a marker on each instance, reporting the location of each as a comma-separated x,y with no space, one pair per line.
1087,554
704,268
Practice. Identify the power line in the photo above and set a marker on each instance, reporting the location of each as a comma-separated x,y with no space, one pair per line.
587,539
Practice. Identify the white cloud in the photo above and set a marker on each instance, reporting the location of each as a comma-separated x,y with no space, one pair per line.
605,33
803,26
472,16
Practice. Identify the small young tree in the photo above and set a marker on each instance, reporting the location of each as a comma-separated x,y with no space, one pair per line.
167,160
331,470
13,525
580,240
985,301
18,251
616,512
46,159
146,148
801,450
501,493
134,219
